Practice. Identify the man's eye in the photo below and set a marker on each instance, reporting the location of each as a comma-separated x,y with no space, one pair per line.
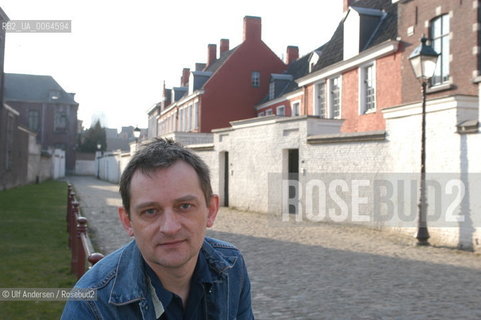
185,206
149,212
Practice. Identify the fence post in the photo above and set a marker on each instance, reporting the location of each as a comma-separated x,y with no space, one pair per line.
95,257
69,202
72,236
80,252
72,220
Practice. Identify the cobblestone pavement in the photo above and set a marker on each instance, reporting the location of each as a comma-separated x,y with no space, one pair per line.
99,201
325,271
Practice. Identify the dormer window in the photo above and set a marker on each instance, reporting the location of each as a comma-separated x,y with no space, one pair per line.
314,59
359,26
54,95
272,90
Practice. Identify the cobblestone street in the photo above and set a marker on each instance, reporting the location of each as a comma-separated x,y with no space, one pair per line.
323,271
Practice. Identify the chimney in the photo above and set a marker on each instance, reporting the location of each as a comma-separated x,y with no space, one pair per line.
224,46
211,54
184,80
199,66
164,93
292,54
252,28
347,4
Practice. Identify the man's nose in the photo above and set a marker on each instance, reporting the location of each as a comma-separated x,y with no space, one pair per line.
170,224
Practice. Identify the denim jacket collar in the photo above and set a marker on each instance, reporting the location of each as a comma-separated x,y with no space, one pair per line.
131,285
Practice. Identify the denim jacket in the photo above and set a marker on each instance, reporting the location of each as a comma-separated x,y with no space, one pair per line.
125,292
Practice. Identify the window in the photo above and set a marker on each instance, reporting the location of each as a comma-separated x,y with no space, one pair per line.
60,122
256,79
368,91
33,120
196,116
268,112
320,109
281,111
335,98
439,33
295,109
272,90
261,114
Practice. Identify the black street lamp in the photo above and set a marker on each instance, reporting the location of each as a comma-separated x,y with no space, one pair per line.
136,134
423,60
99,146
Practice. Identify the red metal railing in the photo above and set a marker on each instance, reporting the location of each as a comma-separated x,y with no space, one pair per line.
78,239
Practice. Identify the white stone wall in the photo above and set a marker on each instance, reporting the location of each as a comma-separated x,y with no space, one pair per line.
109,168
259,147
86,167
257,150
188,138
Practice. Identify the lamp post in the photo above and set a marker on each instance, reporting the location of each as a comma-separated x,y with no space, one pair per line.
423,60
98,160
136,134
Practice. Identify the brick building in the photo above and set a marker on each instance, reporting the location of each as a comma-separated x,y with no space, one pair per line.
351,77
226,88
453,30
45,109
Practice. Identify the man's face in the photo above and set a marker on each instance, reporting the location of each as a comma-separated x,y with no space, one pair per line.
168,215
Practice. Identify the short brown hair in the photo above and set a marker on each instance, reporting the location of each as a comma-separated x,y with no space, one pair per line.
158,154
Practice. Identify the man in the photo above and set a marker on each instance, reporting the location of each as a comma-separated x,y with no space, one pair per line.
170,270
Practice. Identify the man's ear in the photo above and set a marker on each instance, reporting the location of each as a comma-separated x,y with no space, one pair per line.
125,220
213,209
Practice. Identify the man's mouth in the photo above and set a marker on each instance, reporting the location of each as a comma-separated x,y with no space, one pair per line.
173,243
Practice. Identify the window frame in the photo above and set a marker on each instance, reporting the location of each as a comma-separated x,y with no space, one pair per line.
60,121
33,121
363,88
255,79
320,92
441,43
296,105
331,110
283,108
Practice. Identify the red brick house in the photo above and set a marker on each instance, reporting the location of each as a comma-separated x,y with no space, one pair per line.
352,77
224,89
364,68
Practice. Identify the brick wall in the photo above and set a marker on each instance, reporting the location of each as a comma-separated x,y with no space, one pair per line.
415,17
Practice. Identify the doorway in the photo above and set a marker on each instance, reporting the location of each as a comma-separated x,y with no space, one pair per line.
293,175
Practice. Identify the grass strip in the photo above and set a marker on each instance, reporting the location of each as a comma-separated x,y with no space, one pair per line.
33,247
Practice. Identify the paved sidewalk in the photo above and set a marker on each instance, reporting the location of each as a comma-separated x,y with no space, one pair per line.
323,271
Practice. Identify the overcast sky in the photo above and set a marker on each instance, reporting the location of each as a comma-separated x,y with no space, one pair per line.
120,52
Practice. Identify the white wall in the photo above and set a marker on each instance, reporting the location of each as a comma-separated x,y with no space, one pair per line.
86,167
258,161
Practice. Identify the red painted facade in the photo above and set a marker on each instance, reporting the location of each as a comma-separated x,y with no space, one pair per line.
388,94
228,94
